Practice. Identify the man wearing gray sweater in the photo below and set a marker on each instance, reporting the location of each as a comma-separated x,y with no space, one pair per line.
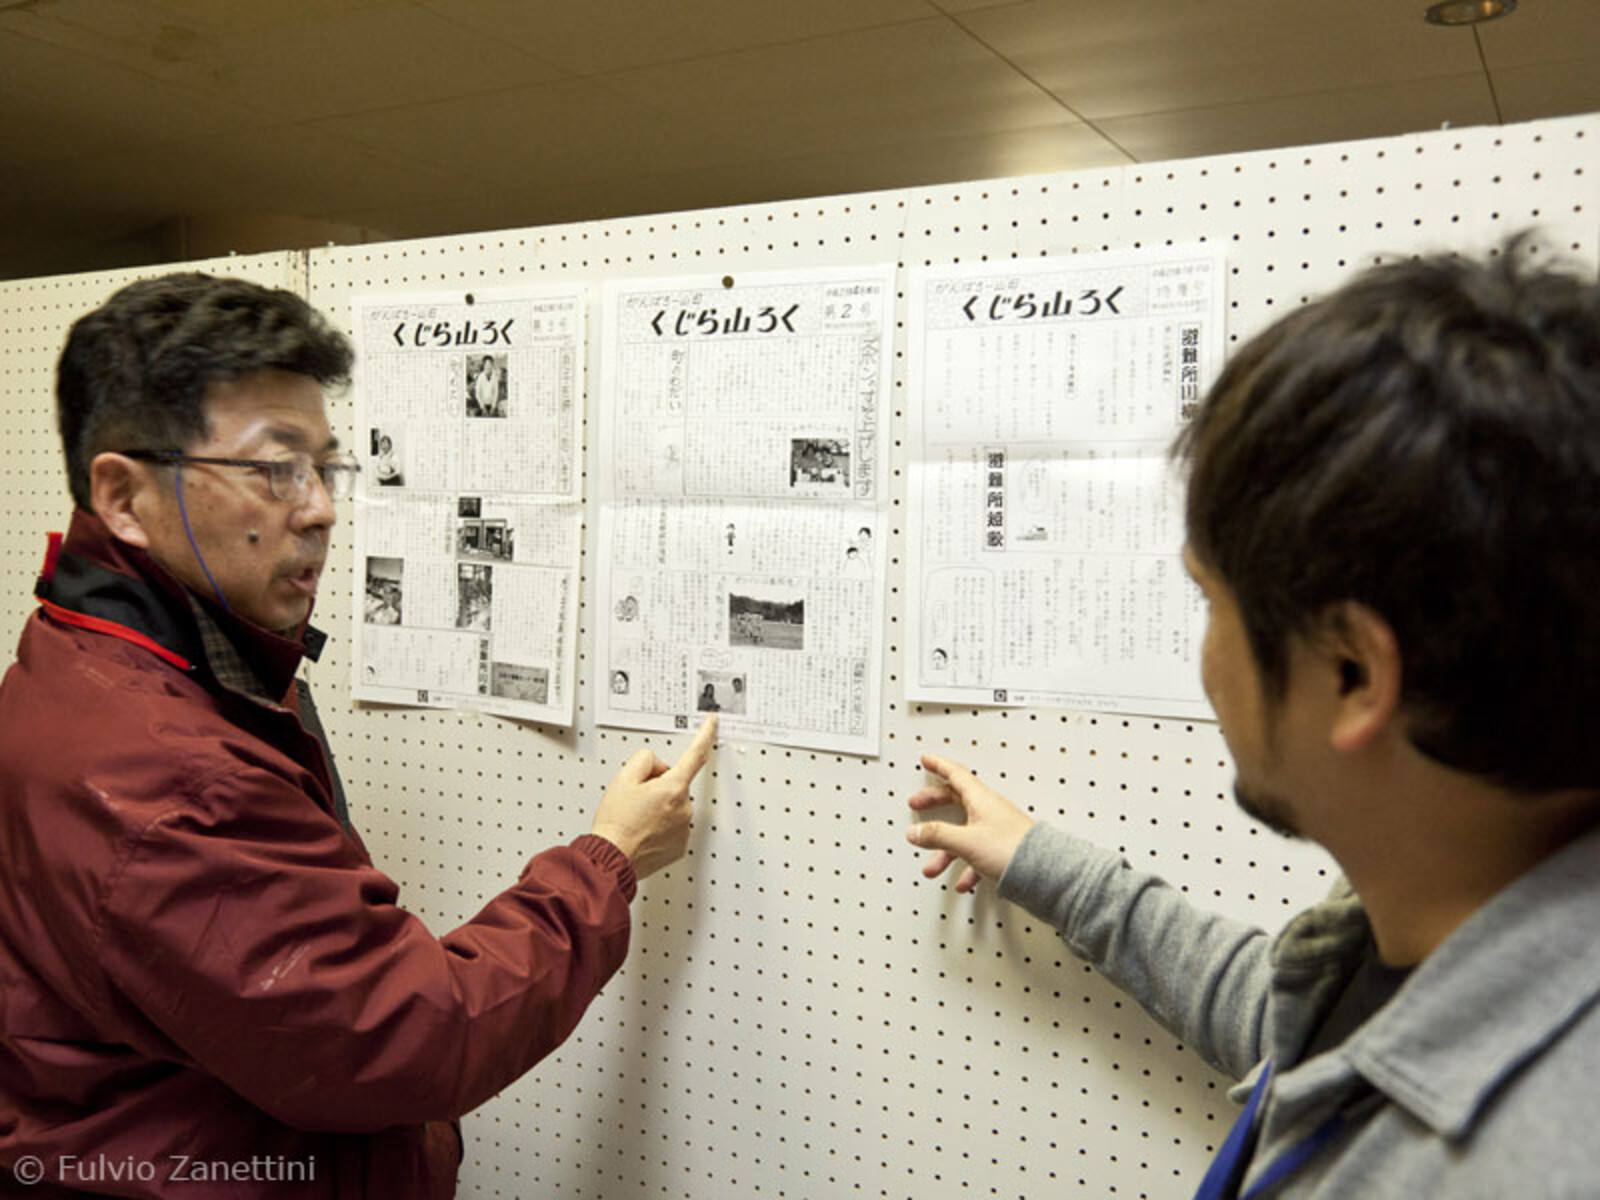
1394,514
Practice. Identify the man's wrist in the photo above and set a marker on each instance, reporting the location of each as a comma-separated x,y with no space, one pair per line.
618,838
605,853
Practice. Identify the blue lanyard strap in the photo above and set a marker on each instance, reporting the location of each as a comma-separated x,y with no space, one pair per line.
1222,1177
1298,1155
1226,1172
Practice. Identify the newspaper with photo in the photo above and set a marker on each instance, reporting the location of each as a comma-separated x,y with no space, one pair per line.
1045,521
742,504
468,414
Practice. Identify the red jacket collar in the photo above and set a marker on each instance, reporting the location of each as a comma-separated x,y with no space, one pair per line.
143,596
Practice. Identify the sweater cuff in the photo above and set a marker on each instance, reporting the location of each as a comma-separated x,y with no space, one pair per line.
1050,870
605,854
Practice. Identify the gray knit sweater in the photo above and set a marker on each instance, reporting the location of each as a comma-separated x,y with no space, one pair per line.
1480,1078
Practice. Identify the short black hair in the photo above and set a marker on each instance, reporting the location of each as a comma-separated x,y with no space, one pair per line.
134,372
1425,441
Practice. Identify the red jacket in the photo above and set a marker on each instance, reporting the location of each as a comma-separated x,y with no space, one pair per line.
200,965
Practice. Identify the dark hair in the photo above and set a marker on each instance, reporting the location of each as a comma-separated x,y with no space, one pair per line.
1425,441
134,372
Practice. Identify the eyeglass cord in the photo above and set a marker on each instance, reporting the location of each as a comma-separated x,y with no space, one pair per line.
199,558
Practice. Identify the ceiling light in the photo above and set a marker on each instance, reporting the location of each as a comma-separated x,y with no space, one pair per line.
1468,12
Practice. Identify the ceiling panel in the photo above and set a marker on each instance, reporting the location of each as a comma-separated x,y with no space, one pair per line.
402,216
281,170
335,59
135,36
1148,56
572,131
55,247
42,117
252,16
588,37
1065,145
1333,116
850,91
1526,93
311,172
961,6
374,58
561,201
676,191
121,191
459,114
1542,31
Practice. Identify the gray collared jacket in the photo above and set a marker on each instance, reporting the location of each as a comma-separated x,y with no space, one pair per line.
1480,1078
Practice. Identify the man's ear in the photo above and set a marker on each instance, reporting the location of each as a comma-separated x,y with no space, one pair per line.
1365,658
118,493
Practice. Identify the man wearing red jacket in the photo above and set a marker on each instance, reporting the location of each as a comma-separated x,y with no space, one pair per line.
206,988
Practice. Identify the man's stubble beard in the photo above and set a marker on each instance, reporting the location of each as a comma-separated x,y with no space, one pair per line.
1266,808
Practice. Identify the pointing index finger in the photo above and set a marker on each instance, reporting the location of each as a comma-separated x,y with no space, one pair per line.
950,772
692,759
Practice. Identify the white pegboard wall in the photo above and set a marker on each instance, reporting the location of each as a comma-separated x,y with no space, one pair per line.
802,1015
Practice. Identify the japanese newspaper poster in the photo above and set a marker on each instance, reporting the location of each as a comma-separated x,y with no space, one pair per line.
743,493
1045,522
469,511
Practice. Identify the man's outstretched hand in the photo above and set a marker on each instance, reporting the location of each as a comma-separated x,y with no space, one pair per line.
993,830
646,810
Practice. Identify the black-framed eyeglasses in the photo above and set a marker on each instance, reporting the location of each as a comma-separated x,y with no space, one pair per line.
289,478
